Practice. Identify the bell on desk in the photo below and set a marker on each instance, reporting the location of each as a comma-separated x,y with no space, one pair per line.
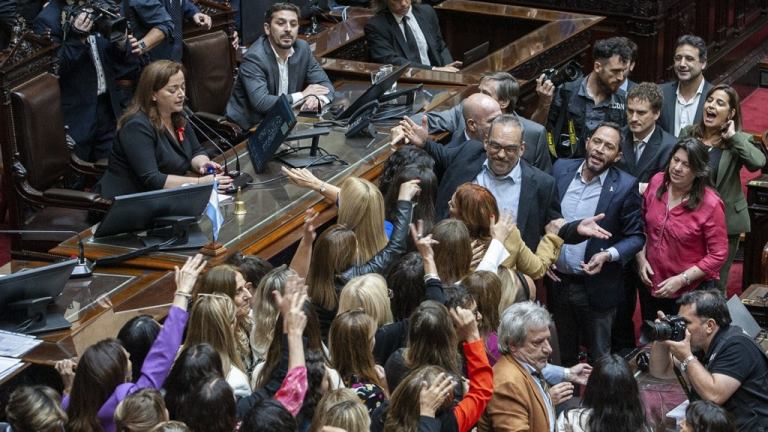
239,203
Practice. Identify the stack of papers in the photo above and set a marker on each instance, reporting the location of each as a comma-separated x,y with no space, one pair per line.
16,344
8,366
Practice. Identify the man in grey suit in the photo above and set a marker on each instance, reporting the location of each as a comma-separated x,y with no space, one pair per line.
684,99
278,63
502,87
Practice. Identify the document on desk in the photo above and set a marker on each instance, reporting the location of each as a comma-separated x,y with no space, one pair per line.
8,366
16,344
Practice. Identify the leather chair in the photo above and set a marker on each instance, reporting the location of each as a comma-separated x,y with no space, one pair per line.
210,68
42,158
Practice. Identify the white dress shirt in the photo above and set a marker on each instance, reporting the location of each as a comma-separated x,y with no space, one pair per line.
421,41
685,111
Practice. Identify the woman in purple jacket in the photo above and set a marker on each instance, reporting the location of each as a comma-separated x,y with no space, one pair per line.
103,375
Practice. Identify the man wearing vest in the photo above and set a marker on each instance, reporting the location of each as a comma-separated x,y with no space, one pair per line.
577,107
720,362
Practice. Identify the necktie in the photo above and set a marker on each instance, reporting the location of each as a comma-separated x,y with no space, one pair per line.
639,145
410,41
175,11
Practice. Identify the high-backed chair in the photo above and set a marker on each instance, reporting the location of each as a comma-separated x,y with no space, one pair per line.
210,67
42,158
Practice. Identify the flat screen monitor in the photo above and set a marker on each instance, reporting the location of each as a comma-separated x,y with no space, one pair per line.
271,132
373,92
139,212
26,295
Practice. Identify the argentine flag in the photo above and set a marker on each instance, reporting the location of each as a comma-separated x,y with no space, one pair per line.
213,211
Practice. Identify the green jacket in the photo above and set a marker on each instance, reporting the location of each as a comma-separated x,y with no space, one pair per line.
739,151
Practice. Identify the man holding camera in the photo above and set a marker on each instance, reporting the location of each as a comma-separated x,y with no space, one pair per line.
87,61
578,106
728,367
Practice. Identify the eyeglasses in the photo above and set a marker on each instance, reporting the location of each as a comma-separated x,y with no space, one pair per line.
495,147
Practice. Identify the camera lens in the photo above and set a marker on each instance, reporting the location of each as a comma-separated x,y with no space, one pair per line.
655,331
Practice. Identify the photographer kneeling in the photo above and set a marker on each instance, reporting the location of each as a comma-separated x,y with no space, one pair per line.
720,362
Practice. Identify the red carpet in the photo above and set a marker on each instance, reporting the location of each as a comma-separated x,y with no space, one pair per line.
753,111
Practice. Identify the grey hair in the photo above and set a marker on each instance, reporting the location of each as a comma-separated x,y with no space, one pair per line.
517,320
508,120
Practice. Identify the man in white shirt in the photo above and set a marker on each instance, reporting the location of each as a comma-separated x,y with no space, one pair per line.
405,33
683,101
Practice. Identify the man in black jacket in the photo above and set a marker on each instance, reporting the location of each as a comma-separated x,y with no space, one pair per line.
402,33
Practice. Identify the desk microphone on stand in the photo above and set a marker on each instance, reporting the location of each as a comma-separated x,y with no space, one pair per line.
239,178
83,268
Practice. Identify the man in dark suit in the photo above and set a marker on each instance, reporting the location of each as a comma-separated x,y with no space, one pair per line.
645,151
495,164
405,33
87,61
278,63
588,276
684,98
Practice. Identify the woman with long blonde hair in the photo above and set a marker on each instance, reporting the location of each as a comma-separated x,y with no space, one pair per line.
369,293
264,312
212,321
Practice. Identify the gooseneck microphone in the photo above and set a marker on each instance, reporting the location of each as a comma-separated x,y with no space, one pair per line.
239,178
83,268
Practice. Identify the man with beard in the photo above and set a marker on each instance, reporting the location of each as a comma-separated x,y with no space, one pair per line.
278,63
577,107
587,277
683,104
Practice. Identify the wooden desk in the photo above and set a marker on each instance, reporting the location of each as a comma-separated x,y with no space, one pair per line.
275,206
98,307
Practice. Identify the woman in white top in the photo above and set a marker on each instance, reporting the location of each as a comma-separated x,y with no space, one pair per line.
611,401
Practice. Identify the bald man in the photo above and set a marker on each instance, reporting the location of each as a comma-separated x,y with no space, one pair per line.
478,111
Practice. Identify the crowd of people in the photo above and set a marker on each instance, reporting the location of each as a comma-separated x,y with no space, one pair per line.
416,310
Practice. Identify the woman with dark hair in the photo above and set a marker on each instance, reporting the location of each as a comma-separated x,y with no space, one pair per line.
485,288
684,220
104,370
336,258
453,250
424,206
706,416
729,149
210,407
611,401
424,399
406,279
137,337
196,363
353,359
405,155
154,148
252,267
268,416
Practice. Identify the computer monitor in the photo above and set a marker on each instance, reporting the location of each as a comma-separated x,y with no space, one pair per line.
26,295
271,132
373,92
134,213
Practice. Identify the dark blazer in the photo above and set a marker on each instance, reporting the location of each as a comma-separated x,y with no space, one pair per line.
621,203
258,81
538,202
654,158
77,75
667,117
142,158
387,45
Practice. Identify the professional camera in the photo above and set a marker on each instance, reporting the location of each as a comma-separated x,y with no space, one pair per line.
104,14
670,328
570,71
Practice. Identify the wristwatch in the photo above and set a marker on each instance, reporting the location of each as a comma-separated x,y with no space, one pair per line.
684,363
142,46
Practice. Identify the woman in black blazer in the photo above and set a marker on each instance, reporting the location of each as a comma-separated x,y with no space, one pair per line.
154,149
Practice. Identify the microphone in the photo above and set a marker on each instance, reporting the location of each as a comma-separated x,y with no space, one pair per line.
83,268
239,178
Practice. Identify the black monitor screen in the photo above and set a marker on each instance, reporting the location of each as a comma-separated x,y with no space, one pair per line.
373,92
40,282
272,130
137,212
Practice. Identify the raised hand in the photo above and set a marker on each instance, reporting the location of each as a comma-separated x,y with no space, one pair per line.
187,276
433,395
416,134
466,324
423,243
302,177
309,233
66,369
500,230
478,252
589,228
408,190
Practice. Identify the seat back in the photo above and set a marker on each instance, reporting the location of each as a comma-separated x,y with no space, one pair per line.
208,60
39,127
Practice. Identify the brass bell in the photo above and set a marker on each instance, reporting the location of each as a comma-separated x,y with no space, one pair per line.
239,203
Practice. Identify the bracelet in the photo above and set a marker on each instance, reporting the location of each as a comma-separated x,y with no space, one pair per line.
183,294
684,363
686,279
323,187
566,374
